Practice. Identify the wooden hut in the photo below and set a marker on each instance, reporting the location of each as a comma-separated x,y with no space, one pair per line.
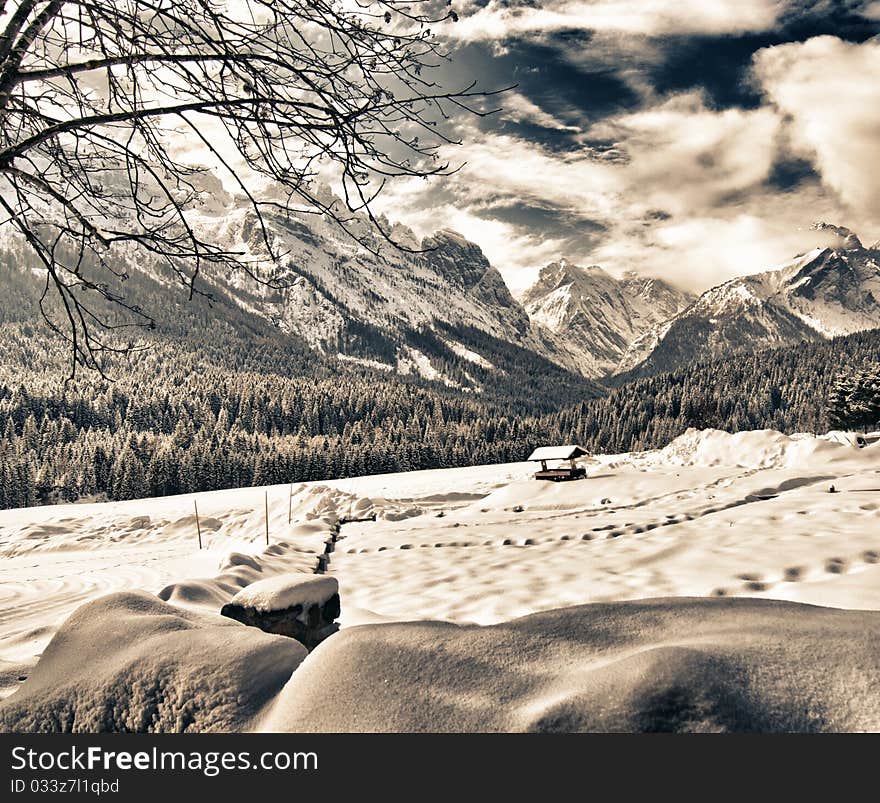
559,455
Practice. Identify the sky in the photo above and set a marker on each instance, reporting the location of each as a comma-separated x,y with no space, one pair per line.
695,140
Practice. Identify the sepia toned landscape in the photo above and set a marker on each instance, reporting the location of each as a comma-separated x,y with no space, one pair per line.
428,367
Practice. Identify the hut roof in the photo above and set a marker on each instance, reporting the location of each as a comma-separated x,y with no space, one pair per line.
557,453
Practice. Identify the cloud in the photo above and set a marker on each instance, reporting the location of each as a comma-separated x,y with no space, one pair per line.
829,91
674,182
671,162
517,251
685,157
871,11
497,20
702,251
519,108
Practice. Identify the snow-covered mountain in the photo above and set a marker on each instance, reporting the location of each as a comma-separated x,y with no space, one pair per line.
595,317
829,291
438,309
369,304
434,308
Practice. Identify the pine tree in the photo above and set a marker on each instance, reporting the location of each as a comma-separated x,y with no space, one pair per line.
838,406
130,477
864,400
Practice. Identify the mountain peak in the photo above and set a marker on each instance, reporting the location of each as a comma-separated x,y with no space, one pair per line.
848,240
596,315
561,272
830,291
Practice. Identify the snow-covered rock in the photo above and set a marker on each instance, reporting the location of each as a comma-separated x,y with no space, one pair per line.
287,590
328,289
300,606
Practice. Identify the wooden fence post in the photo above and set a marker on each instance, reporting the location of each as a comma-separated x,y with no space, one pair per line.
198,526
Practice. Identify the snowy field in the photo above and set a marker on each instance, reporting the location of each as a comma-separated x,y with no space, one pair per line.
712,515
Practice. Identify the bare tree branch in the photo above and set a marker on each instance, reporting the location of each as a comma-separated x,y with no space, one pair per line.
97,96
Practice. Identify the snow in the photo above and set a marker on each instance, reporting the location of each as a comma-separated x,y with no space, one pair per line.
130,662
467,354
722,531
411,360
553,311
712,513
831,293
556,452
414,361
733,294
594,318
792,267
286,590
657,665
753,449
833,322
56,558
375,364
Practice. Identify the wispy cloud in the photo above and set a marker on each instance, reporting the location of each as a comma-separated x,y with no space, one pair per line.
498,20
871,11
519,108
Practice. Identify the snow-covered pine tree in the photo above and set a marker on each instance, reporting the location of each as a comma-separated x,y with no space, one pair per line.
865,400
838,406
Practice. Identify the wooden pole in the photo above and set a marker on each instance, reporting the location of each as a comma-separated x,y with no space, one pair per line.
267,518
198,526
290,504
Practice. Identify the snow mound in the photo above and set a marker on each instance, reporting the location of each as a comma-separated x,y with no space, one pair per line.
286,590
401,515
658,665
761,448
363,505
130,662
239,570
198,594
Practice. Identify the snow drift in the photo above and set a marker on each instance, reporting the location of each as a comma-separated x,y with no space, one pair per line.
760,448
657,665
130,662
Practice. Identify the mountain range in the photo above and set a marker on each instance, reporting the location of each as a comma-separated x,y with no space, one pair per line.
424,312
439,311
827,292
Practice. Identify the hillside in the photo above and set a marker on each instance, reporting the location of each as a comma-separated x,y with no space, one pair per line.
783,389
227,401
222,398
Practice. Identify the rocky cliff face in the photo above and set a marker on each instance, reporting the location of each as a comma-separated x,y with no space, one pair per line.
595,316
